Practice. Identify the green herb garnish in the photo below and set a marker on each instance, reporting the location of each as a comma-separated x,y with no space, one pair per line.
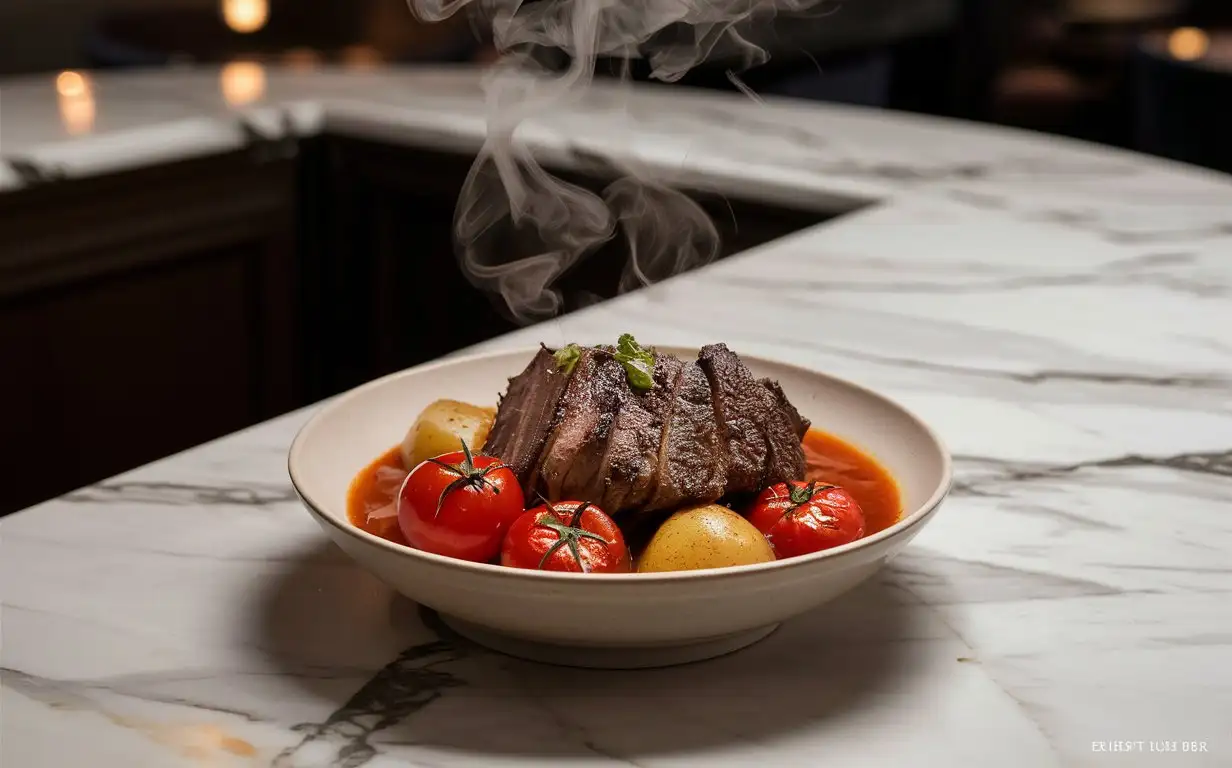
567,357
638,362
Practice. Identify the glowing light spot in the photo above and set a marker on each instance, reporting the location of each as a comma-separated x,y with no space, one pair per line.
245,16
71,84
76,102
1188,43
242,82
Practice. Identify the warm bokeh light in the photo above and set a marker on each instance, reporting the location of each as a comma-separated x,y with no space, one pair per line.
301,59
76,102
71,84
242,82
360,57
245,16
1188,43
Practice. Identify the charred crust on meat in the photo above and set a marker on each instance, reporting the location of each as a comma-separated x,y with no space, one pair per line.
706,430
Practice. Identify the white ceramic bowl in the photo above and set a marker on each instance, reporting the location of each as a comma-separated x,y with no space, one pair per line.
613,620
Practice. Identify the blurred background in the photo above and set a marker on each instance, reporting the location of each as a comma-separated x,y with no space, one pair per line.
1143,74
248,282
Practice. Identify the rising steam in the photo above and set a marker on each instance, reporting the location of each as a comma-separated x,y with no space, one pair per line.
518,228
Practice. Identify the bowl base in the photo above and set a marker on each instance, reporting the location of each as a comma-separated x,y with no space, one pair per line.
618,657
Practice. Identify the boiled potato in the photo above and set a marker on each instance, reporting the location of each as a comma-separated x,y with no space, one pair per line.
441,428
707,536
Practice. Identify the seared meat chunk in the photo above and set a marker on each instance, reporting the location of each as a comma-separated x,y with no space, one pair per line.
692,461
526,415
571,466
799,424
635,450
705,430
762,445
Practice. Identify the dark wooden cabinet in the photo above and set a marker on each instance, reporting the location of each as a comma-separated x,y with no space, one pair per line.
141,314
378,265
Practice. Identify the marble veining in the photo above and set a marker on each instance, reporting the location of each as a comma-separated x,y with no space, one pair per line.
1059,313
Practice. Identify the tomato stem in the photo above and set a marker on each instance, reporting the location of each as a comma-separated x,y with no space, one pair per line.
467,474
801,495
577,513
568,535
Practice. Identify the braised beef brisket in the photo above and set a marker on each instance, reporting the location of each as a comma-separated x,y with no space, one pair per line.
631,467
526,414
799,424
706,429
571,466
739,410
692,461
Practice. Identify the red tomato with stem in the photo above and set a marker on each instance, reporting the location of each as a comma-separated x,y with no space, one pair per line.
798,519
573,536
459,505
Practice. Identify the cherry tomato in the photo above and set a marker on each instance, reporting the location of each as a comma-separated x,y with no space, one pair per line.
798,519
571,536
459,505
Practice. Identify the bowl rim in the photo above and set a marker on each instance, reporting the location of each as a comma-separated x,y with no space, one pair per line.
906,523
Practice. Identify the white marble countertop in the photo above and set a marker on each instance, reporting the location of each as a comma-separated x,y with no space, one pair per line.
1060,313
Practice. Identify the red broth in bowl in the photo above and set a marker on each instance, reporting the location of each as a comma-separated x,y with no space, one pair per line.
829,459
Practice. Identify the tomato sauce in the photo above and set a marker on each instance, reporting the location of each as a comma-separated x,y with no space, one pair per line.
370,500
834,461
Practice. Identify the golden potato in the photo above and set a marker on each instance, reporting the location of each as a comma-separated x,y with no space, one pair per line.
442,427
708,536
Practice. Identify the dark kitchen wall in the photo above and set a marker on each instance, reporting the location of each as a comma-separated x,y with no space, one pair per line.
47,35
37,35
